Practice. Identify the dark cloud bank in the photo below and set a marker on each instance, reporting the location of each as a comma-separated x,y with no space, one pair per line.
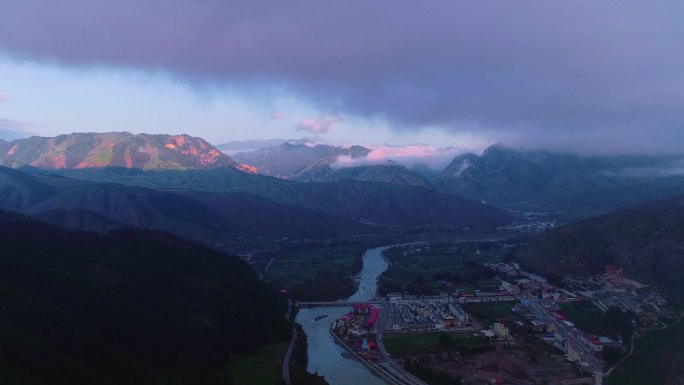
581,75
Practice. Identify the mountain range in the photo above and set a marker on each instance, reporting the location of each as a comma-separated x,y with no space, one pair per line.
518,179
288,159
377,204
559,181
113,149
184,185
384,173
309,161
236,146
513,178
206,216
306,181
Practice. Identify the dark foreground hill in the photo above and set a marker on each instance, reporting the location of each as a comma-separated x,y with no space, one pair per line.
129,307
646,241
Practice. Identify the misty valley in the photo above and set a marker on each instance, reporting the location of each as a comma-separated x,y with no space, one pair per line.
502,267
341,192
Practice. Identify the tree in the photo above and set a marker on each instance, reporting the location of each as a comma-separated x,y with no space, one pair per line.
611,354
620,322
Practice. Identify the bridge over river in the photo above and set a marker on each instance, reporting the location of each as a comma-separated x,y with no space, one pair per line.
336,303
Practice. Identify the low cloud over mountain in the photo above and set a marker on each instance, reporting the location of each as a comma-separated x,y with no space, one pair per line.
409,155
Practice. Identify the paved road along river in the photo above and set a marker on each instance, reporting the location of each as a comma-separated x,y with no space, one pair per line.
325,356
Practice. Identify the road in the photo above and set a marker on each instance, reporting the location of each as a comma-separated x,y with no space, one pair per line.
290,348
288,355
631,350
269,265
330,303
289,310
396,369
571,334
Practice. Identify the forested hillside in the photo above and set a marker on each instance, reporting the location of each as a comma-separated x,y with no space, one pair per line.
128,307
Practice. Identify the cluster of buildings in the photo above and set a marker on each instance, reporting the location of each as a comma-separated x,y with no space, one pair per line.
516,280
358,329
530,221
498,331
498,295
538,305
523,279
585,285
360,321
579,343
655,299
611,288
556,330
412,313
513,270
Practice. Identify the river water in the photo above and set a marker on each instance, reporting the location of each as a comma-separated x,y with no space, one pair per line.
325,356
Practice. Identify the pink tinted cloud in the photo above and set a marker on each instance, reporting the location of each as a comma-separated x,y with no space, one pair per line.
411,151
408,155
320,125
4,96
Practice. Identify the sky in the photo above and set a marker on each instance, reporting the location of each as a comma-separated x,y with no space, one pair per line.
581,76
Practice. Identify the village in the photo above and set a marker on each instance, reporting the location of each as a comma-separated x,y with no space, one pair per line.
534,319
612,289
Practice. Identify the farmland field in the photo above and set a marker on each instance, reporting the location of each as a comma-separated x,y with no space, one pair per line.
321,272
415,344
588,318
441,267
487,313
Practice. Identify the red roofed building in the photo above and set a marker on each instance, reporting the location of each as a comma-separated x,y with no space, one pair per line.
559,316
373,318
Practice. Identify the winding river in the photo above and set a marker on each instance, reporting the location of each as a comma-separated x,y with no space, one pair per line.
325,356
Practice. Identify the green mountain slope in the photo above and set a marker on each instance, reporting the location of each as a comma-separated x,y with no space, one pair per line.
251,215
100,206
381,204
386,173
646,241
113,149
559,181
